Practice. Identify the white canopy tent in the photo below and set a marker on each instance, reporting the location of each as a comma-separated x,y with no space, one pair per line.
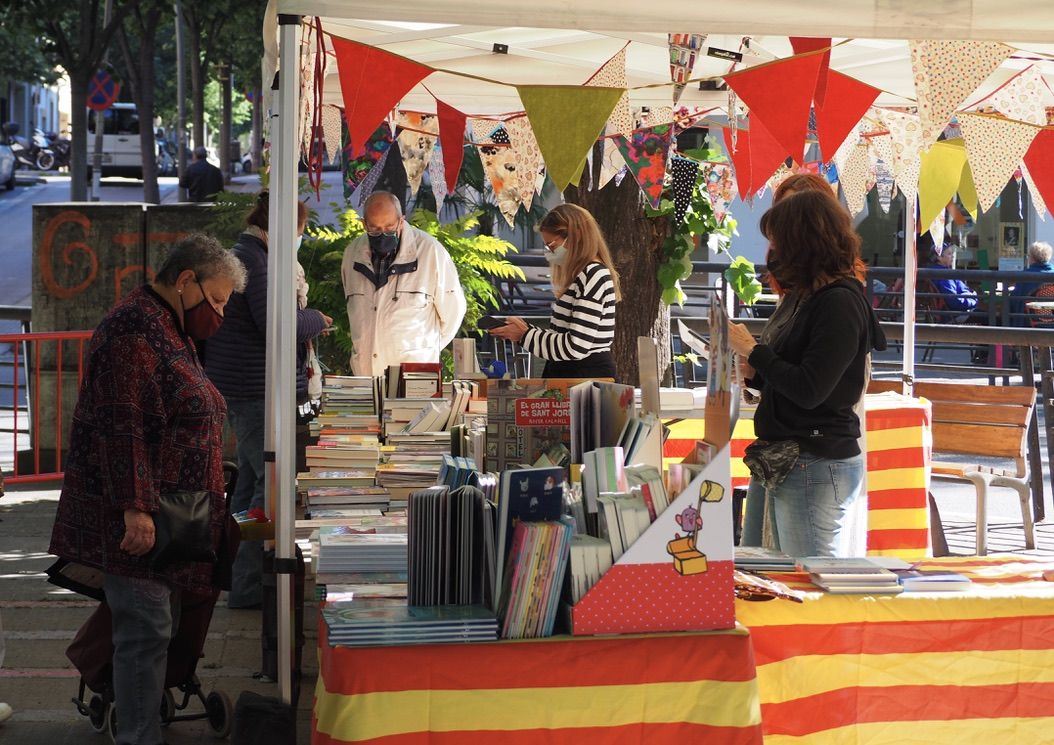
556,42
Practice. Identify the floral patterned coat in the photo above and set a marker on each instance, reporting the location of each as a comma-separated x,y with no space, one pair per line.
147,422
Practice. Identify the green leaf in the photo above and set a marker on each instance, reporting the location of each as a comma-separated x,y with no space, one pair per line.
742,278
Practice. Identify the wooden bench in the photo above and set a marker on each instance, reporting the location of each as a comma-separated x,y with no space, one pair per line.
989,422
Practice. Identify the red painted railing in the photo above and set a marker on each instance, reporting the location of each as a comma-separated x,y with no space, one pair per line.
30,429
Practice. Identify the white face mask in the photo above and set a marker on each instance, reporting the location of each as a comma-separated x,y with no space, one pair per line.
557,256
299,242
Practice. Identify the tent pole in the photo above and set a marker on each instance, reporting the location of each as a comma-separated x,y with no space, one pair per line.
910,275
282,297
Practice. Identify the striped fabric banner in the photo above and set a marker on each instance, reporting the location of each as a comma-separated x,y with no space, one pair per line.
955,668
692,687
898,453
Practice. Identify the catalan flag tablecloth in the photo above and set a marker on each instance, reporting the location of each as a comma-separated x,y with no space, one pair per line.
664,688
955,668
898,442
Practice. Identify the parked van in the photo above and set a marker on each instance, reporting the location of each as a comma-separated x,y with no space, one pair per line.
120,142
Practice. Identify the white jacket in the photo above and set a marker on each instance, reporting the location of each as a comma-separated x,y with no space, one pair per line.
412,317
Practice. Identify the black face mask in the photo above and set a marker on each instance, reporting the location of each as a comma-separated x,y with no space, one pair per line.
384,244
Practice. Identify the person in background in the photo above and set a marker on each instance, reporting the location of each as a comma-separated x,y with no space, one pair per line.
236,362
811,375
405,301
147,422
578,342
1039,254
202,180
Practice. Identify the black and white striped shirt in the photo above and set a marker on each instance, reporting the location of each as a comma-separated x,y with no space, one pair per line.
583,321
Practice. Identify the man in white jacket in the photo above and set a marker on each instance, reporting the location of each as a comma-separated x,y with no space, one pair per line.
405,301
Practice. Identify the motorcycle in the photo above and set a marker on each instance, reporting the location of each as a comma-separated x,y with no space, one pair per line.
59,147
29,154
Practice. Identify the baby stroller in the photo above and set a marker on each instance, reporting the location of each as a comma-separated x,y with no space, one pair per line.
91,652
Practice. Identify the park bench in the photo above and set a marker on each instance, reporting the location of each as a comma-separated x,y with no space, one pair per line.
989,423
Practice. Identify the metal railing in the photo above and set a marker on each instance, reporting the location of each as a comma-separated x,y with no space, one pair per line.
35,404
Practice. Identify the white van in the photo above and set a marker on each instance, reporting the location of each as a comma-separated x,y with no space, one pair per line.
120,141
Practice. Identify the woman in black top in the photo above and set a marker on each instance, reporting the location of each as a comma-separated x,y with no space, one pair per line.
578,342
807,459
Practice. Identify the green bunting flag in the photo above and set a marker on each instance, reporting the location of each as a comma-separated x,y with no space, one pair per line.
567,119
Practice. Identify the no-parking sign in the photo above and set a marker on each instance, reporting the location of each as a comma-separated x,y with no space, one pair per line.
102,91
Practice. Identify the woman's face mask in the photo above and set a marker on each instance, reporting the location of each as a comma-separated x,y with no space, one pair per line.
201,320
557,256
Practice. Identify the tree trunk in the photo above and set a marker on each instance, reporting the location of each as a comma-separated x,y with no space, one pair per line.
79,134
197,89
145,104
225,126
636,246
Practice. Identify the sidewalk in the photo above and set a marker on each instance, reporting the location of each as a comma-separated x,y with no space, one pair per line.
40,620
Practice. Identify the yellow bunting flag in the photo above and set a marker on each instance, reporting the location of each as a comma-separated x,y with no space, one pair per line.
939,179
567,119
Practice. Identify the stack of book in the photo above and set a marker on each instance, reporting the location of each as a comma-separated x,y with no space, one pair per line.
350,408
414,380
412,460
343,498
850,576
590,559
346,548
537,563
397,413
336,455
603,470
354,625
758,559
646,481
932,580
623,519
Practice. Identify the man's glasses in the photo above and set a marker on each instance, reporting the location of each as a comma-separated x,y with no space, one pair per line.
379,233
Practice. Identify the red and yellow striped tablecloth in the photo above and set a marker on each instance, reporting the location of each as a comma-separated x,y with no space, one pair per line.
956,668
667,688
898,455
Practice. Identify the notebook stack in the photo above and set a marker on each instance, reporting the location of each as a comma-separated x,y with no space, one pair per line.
350,409
758,559
850,576
350,625
535,577
347,548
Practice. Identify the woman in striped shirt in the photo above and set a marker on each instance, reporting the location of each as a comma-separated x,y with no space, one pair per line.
578,342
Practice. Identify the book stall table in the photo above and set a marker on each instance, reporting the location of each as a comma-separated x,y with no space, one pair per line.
661,688
898,445
947,667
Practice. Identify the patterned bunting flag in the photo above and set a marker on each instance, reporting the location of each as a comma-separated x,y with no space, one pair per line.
567,119
437,176
684,172
612,74
656,116
360,162
1037,199
645,155
884,185
684,49
526,155
905,132
995,148
416,143
370,182
371,82
332,129
946,73
853,178
613,164
720,188
482,129
1022,97
499,165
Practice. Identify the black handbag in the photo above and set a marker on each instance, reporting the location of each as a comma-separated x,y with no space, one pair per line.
182,530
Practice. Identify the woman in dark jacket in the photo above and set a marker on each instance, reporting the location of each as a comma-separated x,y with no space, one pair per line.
811,375
148,422
236,363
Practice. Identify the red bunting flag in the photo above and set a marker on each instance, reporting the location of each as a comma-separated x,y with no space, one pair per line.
779,94
757,156
842,110
1040,162
452,142
372,81
802,44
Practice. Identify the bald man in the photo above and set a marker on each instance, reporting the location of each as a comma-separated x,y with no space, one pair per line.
405,302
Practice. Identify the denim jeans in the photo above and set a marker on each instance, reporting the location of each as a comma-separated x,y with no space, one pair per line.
809,512
145,614
247,421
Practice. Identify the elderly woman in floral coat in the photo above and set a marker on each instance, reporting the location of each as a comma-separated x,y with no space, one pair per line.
147,422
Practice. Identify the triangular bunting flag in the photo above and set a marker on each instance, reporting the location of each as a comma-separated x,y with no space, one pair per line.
802,44
482,129
939,178
968,193
645,155
995,148
781,175
613,162
1022,97
331,131
499,165
437,175
370,182
853,177
946,73
882,146
656,116
936,232
684,172
416,143
779,95
372,81
526,156
612,74
846,104
720,187
452,139
905,132
757,157
359,162
684,48
567,119
884,185
1037,199
1040,162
